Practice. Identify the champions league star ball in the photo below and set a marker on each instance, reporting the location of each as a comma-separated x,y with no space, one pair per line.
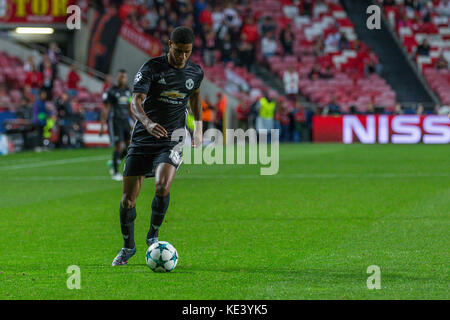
162,257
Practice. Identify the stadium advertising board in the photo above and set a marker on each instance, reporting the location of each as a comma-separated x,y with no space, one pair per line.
142,41
370,129
34,11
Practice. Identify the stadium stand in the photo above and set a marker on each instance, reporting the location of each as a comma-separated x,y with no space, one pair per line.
423,28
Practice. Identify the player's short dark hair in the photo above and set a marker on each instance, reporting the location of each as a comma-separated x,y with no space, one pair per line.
122,71
182,35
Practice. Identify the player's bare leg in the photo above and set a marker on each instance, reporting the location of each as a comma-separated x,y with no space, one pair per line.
164,174
131,188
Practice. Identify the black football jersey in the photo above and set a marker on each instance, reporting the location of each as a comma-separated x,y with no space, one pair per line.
168,90
119,99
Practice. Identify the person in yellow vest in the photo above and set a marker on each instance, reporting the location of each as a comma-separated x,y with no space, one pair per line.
266,112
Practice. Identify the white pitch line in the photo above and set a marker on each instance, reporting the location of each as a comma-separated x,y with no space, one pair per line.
52,163
247,176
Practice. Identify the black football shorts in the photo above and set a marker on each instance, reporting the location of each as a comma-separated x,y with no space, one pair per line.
119,130
143,161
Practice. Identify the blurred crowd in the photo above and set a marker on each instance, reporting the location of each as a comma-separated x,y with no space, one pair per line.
34,106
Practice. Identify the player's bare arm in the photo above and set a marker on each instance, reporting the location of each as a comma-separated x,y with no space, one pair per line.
103,117
195,102
138,113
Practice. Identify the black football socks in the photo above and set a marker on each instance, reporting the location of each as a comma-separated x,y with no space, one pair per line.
127,218
116,161
159,208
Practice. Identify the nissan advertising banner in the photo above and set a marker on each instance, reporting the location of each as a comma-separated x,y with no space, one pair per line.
369,129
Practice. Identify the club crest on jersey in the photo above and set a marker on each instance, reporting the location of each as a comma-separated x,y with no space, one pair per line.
189,84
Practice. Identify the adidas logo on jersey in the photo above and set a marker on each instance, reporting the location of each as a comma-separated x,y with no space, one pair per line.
162,81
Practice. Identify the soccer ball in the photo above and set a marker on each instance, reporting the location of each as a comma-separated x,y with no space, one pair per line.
161,257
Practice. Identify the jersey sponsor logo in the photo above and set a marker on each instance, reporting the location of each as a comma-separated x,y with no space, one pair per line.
123,100
189,84
162,81
138,77
173,94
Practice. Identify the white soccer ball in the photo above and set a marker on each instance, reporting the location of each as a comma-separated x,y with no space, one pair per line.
161,257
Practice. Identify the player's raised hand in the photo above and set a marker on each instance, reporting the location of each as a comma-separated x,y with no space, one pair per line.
157,130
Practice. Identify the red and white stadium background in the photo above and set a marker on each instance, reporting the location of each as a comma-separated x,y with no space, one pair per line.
370,129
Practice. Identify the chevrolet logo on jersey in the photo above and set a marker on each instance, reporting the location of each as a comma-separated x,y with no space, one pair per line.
173,94
123,100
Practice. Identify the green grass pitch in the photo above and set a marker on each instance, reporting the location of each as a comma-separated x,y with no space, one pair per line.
309,232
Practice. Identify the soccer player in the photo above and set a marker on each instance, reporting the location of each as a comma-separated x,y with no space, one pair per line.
162,88
116,108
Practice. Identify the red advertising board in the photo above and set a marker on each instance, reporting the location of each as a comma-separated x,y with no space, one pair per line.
34,11
369,129
146,43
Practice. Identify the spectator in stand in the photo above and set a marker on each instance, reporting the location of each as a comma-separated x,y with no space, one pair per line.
269,44
24,110
126,10
332,109
205,17
287,40
343,44
226,48
108,82
232,17
300,133
389,2
48,76
398,109
173,19
372,64
420,109
316,74
443,8
220,110
307,7
152,19
267,25
207,114
5,100
319,46
217,16
209,46
282,119
40,113
291,80
29,64
199,6
266,111
54,53
64,120
245,52
34,80
242,112
332,42
250,29
423,49
441,63
73,79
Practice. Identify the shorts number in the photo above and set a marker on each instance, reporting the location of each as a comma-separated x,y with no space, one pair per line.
175,157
